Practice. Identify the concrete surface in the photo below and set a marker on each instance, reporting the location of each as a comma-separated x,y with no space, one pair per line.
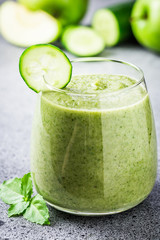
16,111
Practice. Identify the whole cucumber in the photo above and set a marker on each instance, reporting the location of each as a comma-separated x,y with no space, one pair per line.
113,23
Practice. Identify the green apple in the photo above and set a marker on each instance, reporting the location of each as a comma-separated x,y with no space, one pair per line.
145,22
67,11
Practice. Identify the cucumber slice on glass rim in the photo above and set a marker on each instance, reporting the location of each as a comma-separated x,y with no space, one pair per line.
45,65
82,41
23,27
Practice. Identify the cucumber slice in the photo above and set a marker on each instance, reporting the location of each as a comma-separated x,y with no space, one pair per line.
113,23
45,65
24,28
82,41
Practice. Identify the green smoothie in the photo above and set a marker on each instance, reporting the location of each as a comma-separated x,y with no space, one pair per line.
94,145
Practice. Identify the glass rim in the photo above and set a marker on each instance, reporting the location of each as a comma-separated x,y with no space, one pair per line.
99,59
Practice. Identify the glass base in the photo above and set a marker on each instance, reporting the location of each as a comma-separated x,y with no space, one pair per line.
79,213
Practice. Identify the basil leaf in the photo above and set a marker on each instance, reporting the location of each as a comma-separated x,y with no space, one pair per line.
18,192
17,208
27,187
37,211
10,191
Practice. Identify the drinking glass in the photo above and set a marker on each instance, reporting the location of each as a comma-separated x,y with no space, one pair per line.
95,153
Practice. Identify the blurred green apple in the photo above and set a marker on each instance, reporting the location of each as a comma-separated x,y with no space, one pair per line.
145,22
67,11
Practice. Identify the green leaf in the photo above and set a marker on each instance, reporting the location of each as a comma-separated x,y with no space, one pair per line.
17,208
18,192
10,191
37,211
27,187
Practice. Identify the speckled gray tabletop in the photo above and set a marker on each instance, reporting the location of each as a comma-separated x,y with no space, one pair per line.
16,111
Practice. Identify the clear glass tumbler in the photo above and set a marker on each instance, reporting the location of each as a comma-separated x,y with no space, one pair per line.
95,153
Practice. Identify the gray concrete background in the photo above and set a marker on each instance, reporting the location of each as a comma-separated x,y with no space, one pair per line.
16,110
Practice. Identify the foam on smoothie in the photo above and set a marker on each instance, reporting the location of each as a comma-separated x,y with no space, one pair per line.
98,91
96,83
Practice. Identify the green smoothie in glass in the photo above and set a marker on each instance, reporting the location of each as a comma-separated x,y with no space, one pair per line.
93,143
